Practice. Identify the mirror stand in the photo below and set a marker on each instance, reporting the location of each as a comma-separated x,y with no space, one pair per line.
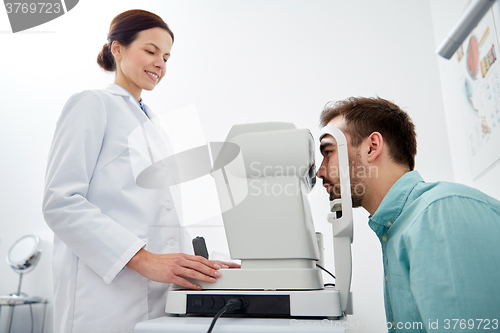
18,292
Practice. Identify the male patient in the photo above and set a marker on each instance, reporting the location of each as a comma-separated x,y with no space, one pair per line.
440,241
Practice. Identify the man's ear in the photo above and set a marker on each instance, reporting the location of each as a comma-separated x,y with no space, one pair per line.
375,145
116,50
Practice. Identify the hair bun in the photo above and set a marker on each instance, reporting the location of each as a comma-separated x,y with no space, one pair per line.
105,58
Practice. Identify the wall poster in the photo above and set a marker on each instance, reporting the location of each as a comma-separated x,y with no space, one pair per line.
478,77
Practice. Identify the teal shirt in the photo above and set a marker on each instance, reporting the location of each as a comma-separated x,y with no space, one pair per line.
441,252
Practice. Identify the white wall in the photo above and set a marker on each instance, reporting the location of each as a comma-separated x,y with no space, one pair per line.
445,14
237,61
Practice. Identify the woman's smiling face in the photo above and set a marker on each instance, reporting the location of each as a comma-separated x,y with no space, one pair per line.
142,64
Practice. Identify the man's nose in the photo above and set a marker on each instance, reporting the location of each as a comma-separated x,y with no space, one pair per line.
321,171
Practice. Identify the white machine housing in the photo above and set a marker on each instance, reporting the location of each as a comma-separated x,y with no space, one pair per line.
263,174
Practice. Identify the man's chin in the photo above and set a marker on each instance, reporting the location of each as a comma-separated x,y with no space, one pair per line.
356,202
334,196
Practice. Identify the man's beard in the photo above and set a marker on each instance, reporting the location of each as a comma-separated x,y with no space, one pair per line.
357,198
357,183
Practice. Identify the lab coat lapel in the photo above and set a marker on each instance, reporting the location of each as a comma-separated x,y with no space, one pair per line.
138,112
117,90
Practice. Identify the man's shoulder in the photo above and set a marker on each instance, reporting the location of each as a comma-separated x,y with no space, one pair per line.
443,211
437,193
441,190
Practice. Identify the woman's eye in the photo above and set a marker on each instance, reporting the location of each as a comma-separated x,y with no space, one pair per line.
150,52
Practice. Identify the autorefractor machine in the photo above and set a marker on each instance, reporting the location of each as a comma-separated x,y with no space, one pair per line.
263,173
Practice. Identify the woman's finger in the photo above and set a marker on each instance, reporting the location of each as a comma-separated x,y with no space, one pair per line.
185,283
203,260
227,264
201,268
196,275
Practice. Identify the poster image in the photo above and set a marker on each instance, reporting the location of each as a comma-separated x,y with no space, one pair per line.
478,72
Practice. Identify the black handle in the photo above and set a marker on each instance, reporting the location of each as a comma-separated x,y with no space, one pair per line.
200,247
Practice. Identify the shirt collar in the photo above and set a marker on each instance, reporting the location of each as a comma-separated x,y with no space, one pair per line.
393,203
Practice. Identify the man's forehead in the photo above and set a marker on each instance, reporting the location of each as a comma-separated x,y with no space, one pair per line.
338,122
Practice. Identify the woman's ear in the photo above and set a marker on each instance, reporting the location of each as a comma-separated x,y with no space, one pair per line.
116,50
375,143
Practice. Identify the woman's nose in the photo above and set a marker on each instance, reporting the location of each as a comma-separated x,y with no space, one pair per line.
160,64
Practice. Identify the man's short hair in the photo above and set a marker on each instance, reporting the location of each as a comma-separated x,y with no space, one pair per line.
365,115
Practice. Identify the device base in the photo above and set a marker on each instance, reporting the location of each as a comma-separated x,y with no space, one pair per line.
323,303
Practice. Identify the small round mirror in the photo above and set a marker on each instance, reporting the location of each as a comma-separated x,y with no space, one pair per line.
24,254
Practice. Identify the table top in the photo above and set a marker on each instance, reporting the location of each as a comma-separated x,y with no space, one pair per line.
230,325
19,300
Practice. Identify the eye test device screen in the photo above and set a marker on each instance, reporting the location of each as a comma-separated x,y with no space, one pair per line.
250,166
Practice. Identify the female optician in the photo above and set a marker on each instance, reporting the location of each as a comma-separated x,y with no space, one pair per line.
106,276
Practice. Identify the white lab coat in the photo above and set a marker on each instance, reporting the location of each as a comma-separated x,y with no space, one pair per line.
101,218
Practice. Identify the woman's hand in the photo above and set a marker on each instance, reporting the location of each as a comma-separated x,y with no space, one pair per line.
225,264
172,267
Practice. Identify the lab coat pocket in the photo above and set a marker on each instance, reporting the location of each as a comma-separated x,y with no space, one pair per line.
97,305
